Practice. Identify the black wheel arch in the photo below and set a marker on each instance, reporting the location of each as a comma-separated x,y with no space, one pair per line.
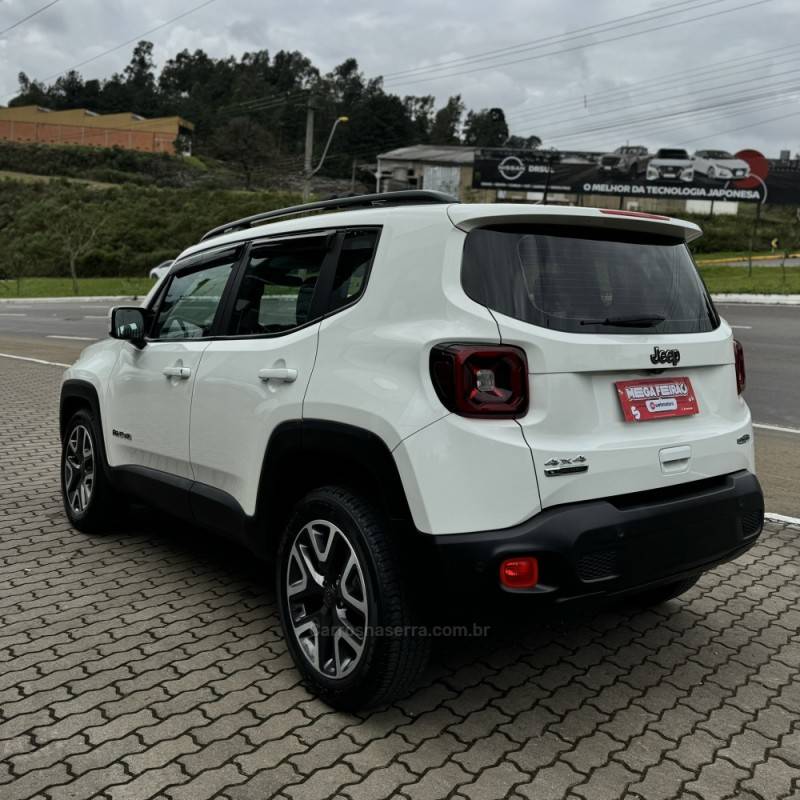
303,455
77,394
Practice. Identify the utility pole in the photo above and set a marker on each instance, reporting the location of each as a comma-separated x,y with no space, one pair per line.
309,149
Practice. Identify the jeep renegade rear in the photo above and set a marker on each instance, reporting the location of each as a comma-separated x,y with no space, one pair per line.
533,403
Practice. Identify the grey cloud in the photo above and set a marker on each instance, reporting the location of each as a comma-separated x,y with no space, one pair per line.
387,37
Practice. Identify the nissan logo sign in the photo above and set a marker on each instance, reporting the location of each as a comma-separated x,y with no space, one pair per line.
511,168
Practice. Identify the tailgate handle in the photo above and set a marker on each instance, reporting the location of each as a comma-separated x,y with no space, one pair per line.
675,459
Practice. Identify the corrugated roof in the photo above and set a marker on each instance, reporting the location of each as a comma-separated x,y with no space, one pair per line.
440,154
83,116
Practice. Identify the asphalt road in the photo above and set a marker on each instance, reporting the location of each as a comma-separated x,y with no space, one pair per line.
770,336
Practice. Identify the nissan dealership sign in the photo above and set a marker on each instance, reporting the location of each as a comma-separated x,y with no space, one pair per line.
706,174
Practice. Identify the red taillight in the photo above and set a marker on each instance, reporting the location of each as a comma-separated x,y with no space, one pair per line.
481,380
519,573
738,353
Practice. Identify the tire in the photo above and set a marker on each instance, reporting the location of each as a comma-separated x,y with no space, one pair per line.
662,594
85,490
358,594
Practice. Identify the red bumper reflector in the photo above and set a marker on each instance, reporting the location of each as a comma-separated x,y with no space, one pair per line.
519,573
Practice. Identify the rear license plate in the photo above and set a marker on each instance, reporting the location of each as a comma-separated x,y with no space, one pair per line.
656,398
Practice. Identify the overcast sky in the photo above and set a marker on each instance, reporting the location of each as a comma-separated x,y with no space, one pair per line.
740,69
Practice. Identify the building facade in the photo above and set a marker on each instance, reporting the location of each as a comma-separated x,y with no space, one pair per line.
35,124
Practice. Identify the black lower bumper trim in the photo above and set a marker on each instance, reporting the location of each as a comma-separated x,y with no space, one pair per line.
614,546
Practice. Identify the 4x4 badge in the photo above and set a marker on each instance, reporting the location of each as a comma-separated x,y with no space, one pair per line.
565,466
659,356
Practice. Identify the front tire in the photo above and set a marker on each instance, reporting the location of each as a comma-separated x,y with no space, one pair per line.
85,490
345,608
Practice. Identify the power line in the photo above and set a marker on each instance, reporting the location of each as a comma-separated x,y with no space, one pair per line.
744,127
587,44
573,34
652,128
699,92
30,16
629,125
667,78
125,43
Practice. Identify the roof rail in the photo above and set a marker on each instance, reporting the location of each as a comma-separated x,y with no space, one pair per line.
409,197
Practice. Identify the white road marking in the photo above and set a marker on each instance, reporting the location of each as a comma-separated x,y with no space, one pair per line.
77,338
34,360
742,327
782,518
4,314
776,428
90,316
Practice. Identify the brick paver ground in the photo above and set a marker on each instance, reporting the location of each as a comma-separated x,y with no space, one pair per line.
149,663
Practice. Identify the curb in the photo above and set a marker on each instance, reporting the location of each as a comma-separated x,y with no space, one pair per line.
761,299
742,259
72,299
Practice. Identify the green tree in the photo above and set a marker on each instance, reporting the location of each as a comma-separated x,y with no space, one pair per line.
447,122
524,142
486,128
246,143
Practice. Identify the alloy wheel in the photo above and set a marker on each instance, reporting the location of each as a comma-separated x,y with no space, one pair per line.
79,466
327,599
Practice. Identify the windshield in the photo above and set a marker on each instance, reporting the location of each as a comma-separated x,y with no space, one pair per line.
585,280
672,154
717,154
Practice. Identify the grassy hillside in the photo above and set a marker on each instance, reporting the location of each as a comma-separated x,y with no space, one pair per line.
125,229
115,228
114,165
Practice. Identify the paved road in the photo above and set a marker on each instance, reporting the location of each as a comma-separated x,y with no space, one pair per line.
770,334
88,321
148,662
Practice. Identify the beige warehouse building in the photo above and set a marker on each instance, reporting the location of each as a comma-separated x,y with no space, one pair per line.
35,124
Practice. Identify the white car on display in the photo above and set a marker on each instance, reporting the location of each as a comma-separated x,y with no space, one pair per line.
400,399
670,164
720,165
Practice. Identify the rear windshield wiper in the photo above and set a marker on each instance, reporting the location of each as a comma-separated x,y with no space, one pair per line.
626,322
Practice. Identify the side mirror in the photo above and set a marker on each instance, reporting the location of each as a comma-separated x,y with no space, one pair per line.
129,323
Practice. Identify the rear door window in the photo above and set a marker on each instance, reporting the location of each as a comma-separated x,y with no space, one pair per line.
587,280
278,285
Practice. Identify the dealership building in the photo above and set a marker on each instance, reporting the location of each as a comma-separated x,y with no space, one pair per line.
36,124
452,168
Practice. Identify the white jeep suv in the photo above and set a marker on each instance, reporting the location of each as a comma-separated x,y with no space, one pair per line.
518,402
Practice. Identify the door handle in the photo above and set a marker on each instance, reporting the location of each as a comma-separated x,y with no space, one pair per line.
177,372
278,374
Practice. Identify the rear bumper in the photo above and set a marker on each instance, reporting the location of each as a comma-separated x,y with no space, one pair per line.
615,546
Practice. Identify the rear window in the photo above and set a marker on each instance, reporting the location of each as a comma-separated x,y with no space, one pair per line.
584,280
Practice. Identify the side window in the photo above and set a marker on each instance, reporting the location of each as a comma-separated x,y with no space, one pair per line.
191,301
277,286
358,248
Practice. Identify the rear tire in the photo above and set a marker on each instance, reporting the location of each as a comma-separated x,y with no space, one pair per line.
85,490
346,612
662,594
